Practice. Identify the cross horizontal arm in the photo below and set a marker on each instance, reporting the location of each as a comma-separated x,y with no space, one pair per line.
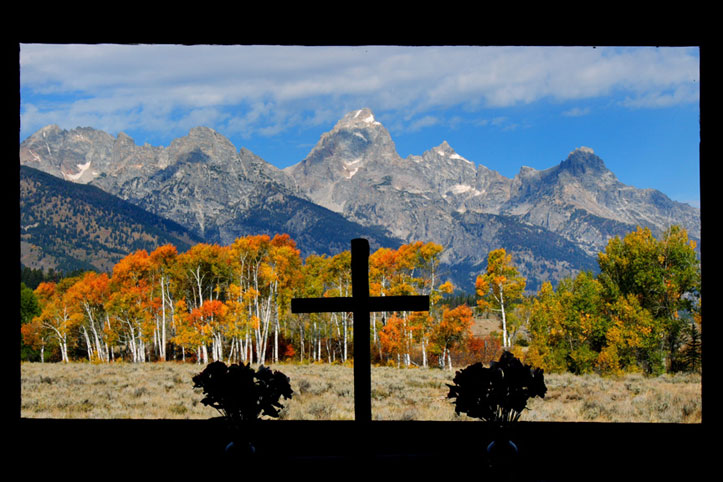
378,303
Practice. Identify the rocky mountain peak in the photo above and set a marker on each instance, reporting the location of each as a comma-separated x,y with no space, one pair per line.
203,144
527,172
444,147
447,153
202,132
362,118
124,139
582,161
357,140
67,154
206,137
52,129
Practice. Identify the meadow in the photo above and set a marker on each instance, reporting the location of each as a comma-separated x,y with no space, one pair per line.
326,392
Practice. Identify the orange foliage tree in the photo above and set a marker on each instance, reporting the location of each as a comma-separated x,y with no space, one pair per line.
129,304
162,261
55,321
86,300
409,270
454,328
232,303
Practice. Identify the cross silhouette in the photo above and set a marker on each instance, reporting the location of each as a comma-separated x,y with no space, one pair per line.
360,304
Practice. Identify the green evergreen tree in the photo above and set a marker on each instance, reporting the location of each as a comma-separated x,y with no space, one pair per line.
29,308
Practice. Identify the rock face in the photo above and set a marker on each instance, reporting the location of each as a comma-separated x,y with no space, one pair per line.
199,181
583,201
576,206
354,183
85,155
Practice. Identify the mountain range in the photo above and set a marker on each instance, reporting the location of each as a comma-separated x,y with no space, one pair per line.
353,183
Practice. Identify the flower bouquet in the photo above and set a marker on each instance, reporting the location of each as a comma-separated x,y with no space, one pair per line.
497,395
242,395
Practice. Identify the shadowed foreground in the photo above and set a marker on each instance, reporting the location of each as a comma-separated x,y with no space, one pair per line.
293,450
382,449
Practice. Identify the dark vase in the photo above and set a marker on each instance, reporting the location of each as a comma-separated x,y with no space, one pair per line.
240,449
241,439
502,452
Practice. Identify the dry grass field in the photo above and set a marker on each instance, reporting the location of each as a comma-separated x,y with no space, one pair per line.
326,392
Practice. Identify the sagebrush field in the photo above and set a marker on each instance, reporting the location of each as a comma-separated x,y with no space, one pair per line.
326,392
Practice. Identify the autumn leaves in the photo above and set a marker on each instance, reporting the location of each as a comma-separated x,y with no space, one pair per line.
231,303
641,313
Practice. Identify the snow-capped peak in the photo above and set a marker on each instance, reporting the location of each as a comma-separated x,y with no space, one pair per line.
358,118
445,150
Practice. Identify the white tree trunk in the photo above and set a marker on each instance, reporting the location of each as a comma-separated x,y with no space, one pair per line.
505,337
162,341
345,324
301,342
88,346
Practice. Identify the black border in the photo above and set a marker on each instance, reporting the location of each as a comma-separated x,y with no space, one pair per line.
180,450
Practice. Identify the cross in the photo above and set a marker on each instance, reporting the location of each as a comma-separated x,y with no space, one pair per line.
360,304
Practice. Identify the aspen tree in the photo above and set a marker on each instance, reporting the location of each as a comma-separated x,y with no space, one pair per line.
55,316
86,298
162,261
499,287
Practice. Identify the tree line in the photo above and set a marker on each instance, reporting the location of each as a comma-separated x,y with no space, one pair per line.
640,313
232,303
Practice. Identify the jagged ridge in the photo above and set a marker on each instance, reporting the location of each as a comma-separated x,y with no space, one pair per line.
354,183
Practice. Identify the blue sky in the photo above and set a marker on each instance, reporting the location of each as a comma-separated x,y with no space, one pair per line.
503,107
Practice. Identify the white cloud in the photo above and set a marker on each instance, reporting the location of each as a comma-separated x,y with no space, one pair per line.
576,112
423,122
266,89
656,99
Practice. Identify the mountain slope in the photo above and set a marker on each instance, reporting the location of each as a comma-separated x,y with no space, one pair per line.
68,226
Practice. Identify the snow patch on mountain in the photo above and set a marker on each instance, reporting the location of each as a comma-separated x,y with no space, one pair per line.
81,170
352,167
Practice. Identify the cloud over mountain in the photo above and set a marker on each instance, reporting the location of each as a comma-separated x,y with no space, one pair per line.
162,86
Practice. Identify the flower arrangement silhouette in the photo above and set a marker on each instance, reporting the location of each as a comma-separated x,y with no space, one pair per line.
242,394
497,394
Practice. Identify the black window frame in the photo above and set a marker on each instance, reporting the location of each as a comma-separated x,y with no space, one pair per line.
549,450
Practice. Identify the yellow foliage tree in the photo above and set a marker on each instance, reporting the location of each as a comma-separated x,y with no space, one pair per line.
499,287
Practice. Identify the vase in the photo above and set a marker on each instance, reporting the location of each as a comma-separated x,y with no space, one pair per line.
240,449
241,437
502,449
502,452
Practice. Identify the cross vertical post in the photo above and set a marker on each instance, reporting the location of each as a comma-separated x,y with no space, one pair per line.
362,357
360,304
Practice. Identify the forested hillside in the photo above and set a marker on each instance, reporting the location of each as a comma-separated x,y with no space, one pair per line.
67,226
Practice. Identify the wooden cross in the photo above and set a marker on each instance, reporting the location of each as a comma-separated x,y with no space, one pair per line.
360,304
